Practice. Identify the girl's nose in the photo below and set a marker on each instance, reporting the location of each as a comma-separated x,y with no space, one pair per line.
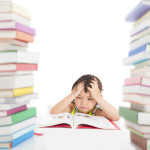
84,102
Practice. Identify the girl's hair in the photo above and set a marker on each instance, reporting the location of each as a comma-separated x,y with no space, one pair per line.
87,79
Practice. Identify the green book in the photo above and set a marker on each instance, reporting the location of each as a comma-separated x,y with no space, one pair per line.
8,51
135,116
129,114
136,132
18,117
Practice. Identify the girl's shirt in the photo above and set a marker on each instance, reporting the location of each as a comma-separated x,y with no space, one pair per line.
92,112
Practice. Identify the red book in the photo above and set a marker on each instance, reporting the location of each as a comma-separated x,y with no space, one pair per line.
18,67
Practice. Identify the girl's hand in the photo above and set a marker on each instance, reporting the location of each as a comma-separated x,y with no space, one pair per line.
95,91
77,89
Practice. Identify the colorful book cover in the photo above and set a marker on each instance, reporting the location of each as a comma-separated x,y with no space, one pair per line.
138,50
18,67
135,14
18,117
12,25
17,141
4,113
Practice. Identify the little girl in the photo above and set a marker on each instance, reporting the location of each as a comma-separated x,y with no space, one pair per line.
86,97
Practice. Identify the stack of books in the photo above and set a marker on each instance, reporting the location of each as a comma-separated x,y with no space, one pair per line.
136,89
17,121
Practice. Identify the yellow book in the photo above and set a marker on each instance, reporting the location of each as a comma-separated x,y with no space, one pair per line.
16,92
23,91
144,17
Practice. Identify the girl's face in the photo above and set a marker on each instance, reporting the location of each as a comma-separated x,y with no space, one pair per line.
84,102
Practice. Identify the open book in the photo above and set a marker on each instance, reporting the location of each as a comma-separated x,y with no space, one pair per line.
79,120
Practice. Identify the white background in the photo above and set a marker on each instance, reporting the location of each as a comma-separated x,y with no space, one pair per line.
77,37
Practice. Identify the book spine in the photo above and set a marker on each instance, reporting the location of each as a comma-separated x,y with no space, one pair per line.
15,110
135,14
21,139
27,67
23,91
133,81
21,11
31,112
25,29
129,114
137,50
24,36
141,142
136,132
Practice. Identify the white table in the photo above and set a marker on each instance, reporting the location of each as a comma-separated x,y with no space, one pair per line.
77,139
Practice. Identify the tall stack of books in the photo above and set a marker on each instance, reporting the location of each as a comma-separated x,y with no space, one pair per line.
17,121
136,89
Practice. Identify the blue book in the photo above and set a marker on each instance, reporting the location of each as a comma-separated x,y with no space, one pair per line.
15,135
17,141
140,9
145,47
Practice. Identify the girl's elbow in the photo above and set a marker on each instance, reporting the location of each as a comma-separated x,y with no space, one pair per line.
117,118
52,112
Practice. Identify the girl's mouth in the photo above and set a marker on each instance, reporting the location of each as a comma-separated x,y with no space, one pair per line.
83,107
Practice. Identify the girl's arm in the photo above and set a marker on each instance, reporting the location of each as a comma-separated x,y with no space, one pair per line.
65,105
108,110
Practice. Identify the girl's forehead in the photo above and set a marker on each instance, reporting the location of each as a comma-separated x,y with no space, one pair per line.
83,93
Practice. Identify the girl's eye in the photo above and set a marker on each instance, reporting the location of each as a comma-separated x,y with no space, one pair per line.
90,99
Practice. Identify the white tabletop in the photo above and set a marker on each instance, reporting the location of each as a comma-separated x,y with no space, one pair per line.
76,139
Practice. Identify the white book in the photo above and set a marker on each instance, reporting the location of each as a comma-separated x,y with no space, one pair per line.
19,99
79,120
19,57
132,60
11,106
9,138
9,16
15,73
140,35
140,107
17,81
140,128
6,130
136,89
142,71
144,118
10,6
139,42
136,98
142,64
13,42
6,47
145,24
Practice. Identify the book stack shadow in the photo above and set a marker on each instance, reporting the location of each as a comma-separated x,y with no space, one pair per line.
17,120
136,89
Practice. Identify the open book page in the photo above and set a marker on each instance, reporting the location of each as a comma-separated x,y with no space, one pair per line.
55,119
96,121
